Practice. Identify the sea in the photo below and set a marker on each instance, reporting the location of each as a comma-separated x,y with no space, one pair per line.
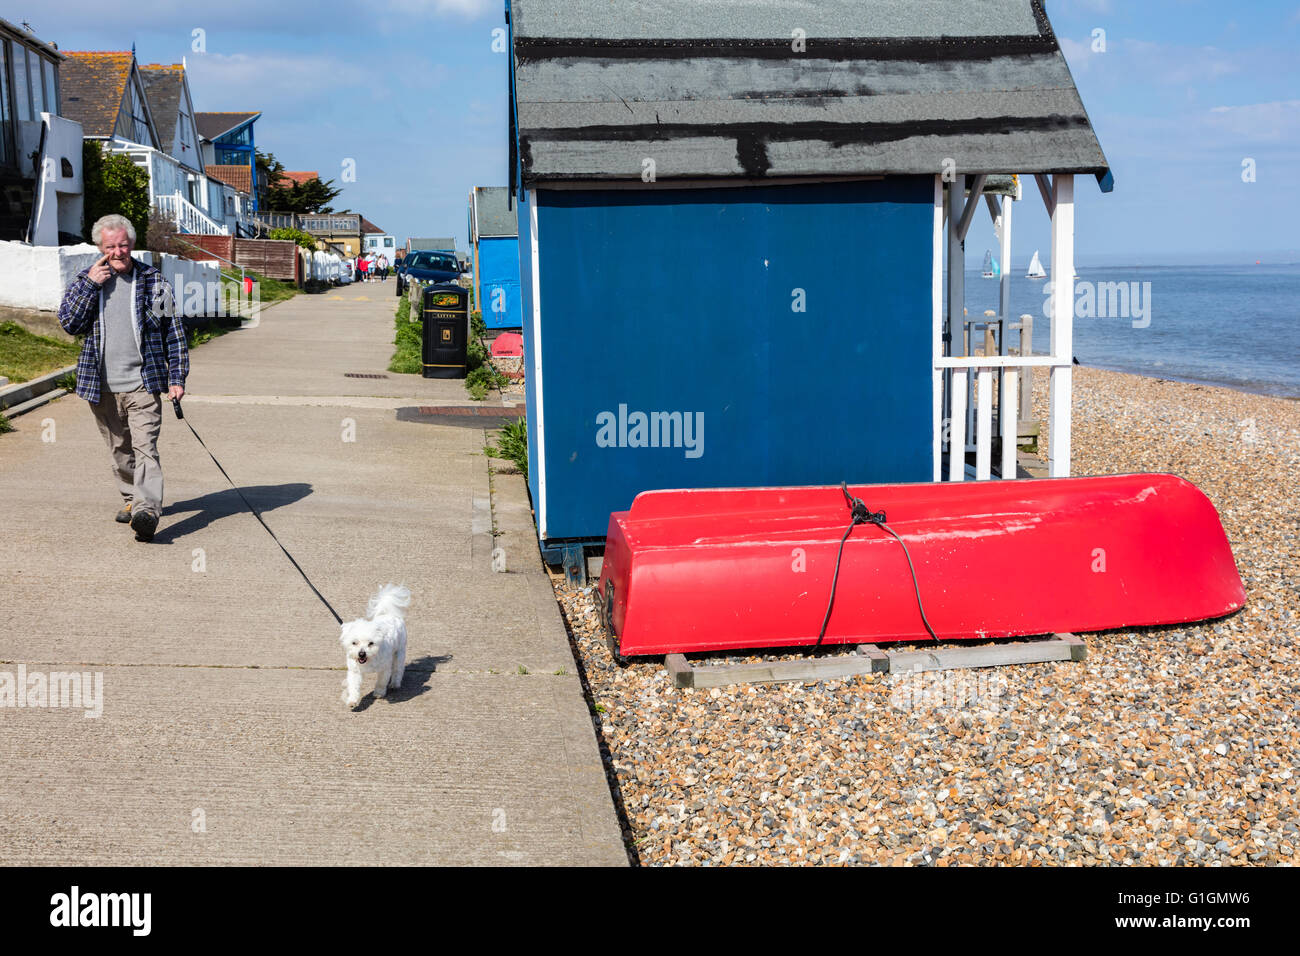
1231,325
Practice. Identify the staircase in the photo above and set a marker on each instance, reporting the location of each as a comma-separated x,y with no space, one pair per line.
189,217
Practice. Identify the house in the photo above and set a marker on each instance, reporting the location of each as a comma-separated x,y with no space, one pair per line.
171,104
235,184
227,139
147,114
342,230
376,241
494,252
40,146
733,241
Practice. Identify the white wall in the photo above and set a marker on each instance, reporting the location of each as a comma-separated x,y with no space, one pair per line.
36,276
59,198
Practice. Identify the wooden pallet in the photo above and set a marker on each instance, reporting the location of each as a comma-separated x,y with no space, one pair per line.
870,659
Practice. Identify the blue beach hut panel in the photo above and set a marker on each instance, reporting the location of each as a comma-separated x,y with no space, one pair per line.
717,337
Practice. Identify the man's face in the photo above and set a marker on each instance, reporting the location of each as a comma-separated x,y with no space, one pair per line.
116,244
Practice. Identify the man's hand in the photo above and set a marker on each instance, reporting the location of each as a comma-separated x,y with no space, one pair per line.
100,271
175,392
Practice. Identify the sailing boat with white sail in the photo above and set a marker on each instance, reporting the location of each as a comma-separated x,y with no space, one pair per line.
991,270
1036,268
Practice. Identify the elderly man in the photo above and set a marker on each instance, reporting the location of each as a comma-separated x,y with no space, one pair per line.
134,349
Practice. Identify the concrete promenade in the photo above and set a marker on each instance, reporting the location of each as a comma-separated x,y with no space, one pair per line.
223,738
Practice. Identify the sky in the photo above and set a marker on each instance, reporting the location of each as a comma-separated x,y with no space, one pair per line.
1181,93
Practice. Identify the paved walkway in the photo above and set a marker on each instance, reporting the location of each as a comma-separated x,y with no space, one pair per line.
223,738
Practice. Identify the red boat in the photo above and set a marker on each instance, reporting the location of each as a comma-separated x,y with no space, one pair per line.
739,568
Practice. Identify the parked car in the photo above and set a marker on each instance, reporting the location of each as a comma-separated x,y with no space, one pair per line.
425,266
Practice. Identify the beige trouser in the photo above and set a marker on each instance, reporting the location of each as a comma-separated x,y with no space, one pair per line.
130,422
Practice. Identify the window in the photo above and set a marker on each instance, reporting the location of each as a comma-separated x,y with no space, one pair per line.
241,137
131,122
5,154
34,81
22,101
51,87
388,242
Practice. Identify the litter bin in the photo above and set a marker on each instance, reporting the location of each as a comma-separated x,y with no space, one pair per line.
446,331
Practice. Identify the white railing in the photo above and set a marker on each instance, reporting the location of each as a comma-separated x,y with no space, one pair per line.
169,182
983,368
964,384
189,217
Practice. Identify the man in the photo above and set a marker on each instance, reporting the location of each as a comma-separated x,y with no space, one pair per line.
134,349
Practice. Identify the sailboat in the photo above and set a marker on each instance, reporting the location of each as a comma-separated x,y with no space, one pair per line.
991,270
1036,268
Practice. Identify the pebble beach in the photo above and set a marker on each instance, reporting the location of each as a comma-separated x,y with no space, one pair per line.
1167,746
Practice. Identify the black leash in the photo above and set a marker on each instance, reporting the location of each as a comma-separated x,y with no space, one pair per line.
860,514
176,404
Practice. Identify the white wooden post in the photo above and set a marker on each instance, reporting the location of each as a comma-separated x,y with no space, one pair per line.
936,348
957,437
1062,323
1004,310
1008,398
984,432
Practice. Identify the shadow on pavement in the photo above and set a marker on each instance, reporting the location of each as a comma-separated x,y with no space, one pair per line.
415,681
221,504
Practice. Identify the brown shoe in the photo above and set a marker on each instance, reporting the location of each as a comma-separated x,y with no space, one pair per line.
143,524
124,516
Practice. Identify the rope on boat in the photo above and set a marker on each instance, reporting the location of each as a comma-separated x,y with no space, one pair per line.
861,514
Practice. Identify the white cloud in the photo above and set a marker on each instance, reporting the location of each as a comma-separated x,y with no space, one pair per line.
469,9
1262,122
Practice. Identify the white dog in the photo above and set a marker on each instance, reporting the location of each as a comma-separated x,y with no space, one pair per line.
376,644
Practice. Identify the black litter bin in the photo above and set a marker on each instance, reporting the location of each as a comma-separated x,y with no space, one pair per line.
446,331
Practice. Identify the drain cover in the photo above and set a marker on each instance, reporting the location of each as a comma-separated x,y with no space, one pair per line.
363,375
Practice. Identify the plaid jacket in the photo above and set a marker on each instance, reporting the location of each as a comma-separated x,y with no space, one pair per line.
159,331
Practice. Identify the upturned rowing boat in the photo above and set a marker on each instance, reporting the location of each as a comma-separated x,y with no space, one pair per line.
739,568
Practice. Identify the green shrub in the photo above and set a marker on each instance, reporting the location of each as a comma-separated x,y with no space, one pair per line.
114,184
5,424
483,378
407,359
513,445
304,239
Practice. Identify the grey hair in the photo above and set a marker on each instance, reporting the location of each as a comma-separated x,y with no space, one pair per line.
111,221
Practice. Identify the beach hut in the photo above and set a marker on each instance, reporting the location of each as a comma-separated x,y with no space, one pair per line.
494,254
736,223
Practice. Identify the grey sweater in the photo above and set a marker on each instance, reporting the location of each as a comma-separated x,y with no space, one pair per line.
122,360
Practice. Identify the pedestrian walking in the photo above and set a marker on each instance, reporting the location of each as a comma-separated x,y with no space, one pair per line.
134,350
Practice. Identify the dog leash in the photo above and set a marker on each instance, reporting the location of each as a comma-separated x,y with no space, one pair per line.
176,404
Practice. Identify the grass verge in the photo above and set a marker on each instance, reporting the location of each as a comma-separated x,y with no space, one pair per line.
25,355
407,358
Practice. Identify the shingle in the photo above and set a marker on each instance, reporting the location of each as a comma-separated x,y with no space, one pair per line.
754,19
718,90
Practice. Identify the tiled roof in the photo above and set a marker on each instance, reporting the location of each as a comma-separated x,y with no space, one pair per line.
240,177
212,125
162,85
368,226
300,176
92,84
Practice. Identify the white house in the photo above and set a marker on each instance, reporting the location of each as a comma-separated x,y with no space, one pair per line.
40,149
